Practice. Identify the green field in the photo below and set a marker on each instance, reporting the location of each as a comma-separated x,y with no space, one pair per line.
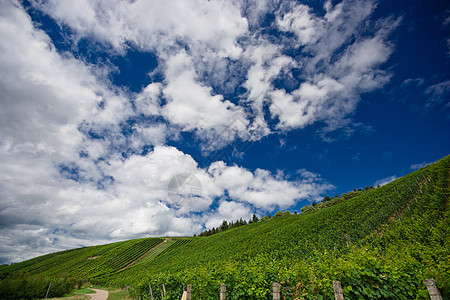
381,244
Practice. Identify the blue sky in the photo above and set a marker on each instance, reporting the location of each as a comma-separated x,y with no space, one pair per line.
128,119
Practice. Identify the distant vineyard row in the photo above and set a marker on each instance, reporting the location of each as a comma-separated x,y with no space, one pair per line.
88,262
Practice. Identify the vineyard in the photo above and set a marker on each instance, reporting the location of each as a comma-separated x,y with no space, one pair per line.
88,262
381,244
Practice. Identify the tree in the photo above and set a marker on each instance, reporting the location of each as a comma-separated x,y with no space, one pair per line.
242,222
307,208
327,198
224,225
278,214
255,218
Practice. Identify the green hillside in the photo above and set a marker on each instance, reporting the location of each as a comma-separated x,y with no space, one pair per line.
380,244
88,262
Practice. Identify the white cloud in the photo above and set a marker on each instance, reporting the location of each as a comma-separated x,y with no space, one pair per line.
333,80
299,20
214,24
264,190
148,135
419,165
191,104
256,10
149,100
437,93
413,81
46,96
385,181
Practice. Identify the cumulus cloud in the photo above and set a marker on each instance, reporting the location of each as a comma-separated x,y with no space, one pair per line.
190,104
264,190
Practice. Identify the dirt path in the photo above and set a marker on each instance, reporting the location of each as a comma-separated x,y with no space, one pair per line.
99,295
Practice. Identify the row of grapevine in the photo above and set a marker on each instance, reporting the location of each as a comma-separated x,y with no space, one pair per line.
55,263
88,261
117,258
178,243
167,246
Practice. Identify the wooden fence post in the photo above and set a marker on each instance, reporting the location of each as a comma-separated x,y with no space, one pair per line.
163,291
276,291
432,289
189,292
338,294
151,293
223,290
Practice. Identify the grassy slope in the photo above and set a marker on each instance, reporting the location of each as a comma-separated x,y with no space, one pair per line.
349,241
88,261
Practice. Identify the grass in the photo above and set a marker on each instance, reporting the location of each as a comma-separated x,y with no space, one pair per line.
82,294
82,291
118,295
77,294
72,297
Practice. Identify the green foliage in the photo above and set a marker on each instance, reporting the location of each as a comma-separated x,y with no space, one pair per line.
225,226
327,201
85,263
281,214
118,295
25,286
83,291
266,217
